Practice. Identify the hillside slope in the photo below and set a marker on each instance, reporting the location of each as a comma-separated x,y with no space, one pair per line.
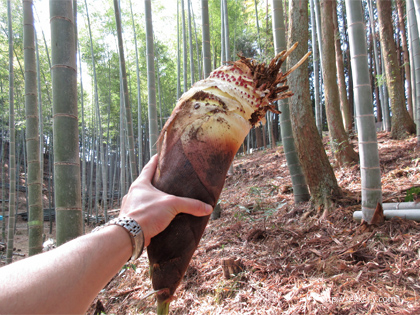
286,265
281,263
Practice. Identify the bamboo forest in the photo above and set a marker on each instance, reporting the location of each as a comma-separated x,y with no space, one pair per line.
297,121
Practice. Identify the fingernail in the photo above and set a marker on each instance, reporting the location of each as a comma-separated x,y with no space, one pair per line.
209,209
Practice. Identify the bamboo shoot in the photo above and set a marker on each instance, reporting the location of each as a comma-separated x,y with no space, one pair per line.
196,148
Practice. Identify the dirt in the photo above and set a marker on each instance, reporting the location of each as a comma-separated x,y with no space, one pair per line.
290,265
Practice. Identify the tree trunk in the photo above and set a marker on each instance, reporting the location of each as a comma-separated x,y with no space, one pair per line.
375,88
91,167
130,132
40,116
190,35
318,28
368,144
34,183
300,188
401,122
320,115
184,45
12,144
139,107
222,34
315,58
405,55
414,18
98,118
344,104
225,18
50,184
178,57
122,189
159,95
259,136
66,128
83,139
342,149
314,161
97,174
2,170
151,85
199,56
258,26
269,125
206,37
382,89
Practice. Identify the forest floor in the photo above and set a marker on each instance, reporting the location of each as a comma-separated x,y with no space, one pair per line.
286,264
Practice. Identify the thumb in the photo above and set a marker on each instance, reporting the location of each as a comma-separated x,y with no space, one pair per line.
193,207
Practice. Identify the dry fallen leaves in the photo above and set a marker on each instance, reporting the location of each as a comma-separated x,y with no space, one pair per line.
294,267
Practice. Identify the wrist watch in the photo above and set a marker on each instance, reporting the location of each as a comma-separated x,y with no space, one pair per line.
133,229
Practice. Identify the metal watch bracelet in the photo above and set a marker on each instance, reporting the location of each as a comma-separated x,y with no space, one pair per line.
133,229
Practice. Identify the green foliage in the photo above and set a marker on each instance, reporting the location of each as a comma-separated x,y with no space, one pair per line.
380,79
228,288
267,209
242,30
255,191
337,146
17,21
412,194
126,267
243,38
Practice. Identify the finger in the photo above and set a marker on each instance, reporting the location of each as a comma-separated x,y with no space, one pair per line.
193,206
149,169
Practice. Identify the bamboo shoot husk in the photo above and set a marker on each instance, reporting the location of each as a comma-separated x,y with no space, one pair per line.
196,147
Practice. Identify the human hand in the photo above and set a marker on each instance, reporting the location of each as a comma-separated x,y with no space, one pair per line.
154,209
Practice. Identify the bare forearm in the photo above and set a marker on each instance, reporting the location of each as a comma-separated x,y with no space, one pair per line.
67,279
59,282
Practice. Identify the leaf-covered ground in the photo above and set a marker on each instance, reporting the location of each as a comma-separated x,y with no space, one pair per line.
289,265
286,264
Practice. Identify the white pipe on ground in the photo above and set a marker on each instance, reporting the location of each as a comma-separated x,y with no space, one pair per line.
409,214
400,205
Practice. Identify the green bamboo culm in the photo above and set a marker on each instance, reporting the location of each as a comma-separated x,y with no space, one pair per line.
415,56
3,175
300,188
101,146
206,37
65,122
129,121
34,182
368,144
12,145
151,84
139,106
